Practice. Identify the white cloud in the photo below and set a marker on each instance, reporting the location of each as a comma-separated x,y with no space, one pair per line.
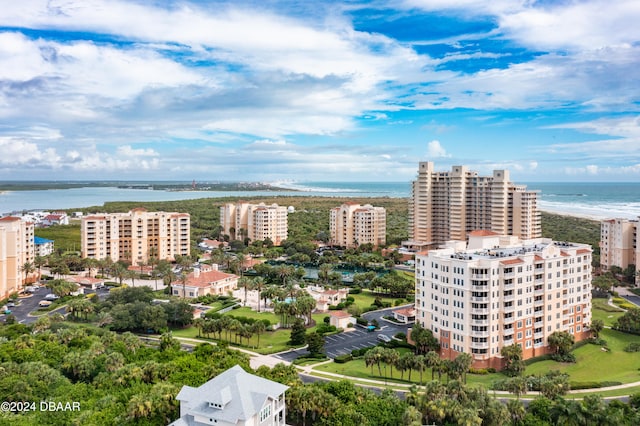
127,151
436,150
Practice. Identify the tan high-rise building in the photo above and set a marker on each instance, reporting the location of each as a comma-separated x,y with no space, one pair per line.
352,224
497,290
619,243
136,235
254,221
16,249
448,205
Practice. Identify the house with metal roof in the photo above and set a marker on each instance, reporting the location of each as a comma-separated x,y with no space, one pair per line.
234,397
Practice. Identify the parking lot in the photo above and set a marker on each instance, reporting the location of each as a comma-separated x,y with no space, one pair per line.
358,338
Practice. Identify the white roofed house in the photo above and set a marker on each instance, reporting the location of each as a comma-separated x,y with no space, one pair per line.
234,397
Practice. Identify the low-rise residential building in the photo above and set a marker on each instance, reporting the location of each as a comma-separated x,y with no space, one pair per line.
87,282
258,222
352,225
136,236
497,290
206,279
17,248
405,315
341,319
43,246
55,219
234,397
324,298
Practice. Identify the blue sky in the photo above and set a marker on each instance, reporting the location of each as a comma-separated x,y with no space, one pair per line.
319,91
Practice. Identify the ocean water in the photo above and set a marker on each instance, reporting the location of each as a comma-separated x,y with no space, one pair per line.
593,200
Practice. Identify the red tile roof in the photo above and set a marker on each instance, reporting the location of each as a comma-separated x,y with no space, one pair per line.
407,312
583,251
9,219
205,279
511,261
339,314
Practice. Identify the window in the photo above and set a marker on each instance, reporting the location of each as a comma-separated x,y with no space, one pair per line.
265,413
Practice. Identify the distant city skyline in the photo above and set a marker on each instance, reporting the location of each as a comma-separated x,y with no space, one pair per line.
319,91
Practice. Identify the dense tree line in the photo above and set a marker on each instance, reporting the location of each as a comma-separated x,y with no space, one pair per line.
115,378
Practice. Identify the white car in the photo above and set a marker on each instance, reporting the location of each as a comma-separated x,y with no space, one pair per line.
51,296
384,338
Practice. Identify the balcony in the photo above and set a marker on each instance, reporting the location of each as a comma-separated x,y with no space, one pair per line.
507,341
538,335
538,302
508,309
509,320
480,311
509,298
480,321
480,299
509,286
480,333
480,345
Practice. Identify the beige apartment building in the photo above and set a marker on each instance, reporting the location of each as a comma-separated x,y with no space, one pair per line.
254,221
16,248
352,224
135,236
448,205
619,243
498,290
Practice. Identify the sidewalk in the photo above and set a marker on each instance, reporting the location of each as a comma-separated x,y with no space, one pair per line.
258,360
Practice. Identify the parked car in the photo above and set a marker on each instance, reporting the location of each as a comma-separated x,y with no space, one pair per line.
51,296
384,338
29,289
7,311
11,304
44,304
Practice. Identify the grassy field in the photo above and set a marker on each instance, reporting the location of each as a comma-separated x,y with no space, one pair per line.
615,365
270,341
607,313
595,364
357,368
366,299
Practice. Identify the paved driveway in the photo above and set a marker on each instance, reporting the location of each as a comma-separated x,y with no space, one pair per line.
358,338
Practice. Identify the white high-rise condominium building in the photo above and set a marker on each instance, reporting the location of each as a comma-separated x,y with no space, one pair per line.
135,236
16,249
254,221
448,205
619,243
352,224
498,290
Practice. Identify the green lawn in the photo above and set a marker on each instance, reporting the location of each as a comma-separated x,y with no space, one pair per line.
593,365
366,299
605,312
357,368
270,341
597,365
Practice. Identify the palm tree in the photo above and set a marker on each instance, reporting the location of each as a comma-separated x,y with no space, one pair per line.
245,283
258,284
28,268
258,328
433,361
420,364
186,265
39,262
463,363
390,357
